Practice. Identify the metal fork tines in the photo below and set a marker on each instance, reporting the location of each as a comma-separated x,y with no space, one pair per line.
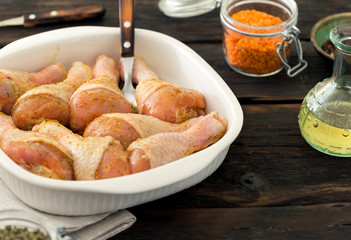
128,88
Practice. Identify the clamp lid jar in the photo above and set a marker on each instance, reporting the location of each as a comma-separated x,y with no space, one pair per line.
258,36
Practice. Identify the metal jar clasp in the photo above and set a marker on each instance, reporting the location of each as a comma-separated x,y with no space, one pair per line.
289,37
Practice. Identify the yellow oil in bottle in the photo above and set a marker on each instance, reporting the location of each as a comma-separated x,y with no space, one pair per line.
323,136
325,115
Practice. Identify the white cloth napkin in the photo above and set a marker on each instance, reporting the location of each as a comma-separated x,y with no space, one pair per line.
92,227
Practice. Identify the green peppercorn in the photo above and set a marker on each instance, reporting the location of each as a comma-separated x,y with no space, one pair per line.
21,233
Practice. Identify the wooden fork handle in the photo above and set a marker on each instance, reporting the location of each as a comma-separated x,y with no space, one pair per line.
126,22
75,14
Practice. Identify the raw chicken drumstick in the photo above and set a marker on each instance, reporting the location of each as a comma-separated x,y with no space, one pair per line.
97,96
162,99
50,101
93,157
35,152
14,83
128,127
163,148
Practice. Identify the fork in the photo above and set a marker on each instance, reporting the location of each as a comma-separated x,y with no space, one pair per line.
126,21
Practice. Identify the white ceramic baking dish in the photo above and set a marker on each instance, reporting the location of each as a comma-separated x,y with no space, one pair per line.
173,61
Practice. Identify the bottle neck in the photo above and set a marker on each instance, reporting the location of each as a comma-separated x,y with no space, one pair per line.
342,67
340,36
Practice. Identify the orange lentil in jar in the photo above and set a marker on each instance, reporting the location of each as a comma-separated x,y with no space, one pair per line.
254,55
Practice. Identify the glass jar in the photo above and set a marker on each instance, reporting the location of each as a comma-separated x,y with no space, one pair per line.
325,115
27,221
261,51
252,51
187,8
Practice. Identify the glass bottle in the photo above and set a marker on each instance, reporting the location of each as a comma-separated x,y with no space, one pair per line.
325,115
187,8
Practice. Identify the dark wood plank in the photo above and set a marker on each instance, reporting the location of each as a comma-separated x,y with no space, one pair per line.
208,27
204,28
270,164
9,9
204,35
278,87
318,222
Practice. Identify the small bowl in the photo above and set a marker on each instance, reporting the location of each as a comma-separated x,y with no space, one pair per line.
320,31
31,221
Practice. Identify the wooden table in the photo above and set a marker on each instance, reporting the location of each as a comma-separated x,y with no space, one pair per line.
272,184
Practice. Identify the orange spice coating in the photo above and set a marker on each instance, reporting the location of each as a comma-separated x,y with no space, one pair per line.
254,55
